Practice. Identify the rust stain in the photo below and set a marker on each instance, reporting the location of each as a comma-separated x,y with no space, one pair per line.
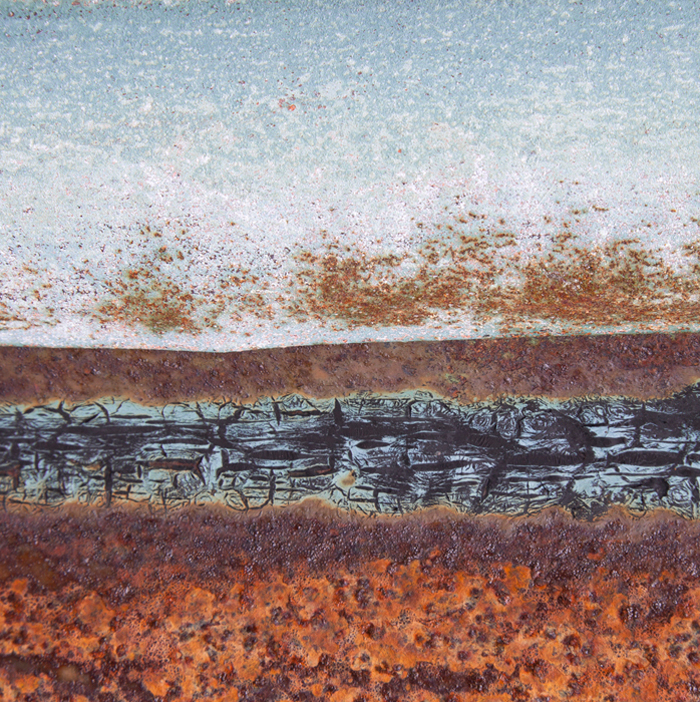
367,291
159,303
304,604
156,292
466,265
643,366
487,273
7,317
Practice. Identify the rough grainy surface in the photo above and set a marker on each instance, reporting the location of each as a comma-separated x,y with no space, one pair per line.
236,175
642,366
305,604
368,453
572,283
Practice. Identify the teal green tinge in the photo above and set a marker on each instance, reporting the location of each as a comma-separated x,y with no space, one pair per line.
246,134
368,454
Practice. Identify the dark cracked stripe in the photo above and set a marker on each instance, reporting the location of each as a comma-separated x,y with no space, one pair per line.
368,453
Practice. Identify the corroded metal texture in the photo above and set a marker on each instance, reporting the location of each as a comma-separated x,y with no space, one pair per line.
369,453
641,366
230,176
162,550
221,176
307,605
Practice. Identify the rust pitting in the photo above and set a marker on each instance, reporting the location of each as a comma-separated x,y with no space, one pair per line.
642,366
306,604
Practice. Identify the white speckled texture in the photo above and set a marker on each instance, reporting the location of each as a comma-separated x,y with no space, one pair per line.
254,126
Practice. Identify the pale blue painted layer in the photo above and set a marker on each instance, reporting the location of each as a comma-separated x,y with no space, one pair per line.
255,126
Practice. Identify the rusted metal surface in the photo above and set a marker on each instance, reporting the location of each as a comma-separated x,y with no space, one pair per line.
369,453
255,175
642,366
165,602
309,605
458,269
233,177
455,280
483,270
114,601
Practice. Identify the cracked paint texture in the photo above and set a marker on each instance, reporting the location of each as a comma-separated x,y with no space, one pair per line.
223,176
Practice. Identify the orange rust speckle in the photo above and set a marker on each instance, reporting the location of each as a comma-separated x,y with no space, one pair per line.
7,316
163,301
487,275
305,604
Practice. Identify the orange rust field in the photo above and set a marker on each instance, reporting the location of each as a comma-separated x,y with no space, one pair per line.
308,604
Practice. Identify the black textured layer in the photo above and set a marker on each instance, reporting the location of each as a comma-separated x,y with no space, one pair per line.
367,453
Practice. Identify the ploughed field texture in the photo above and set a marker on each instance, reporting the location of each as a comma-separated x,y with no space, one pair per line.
307,604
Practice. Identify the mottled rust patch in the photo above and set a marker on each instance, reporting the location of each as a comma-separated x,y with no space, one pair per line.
159,303
472,264
644,366
158,289
6,316
368,291
486,271
306,605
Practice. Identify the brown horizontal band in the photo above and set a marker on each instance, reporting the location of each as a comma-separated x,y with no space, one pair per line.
127,605
642,366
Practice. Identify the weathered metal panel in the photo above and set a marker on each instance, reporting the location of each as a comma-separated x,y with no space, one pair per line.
371,454
454,518
223,175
